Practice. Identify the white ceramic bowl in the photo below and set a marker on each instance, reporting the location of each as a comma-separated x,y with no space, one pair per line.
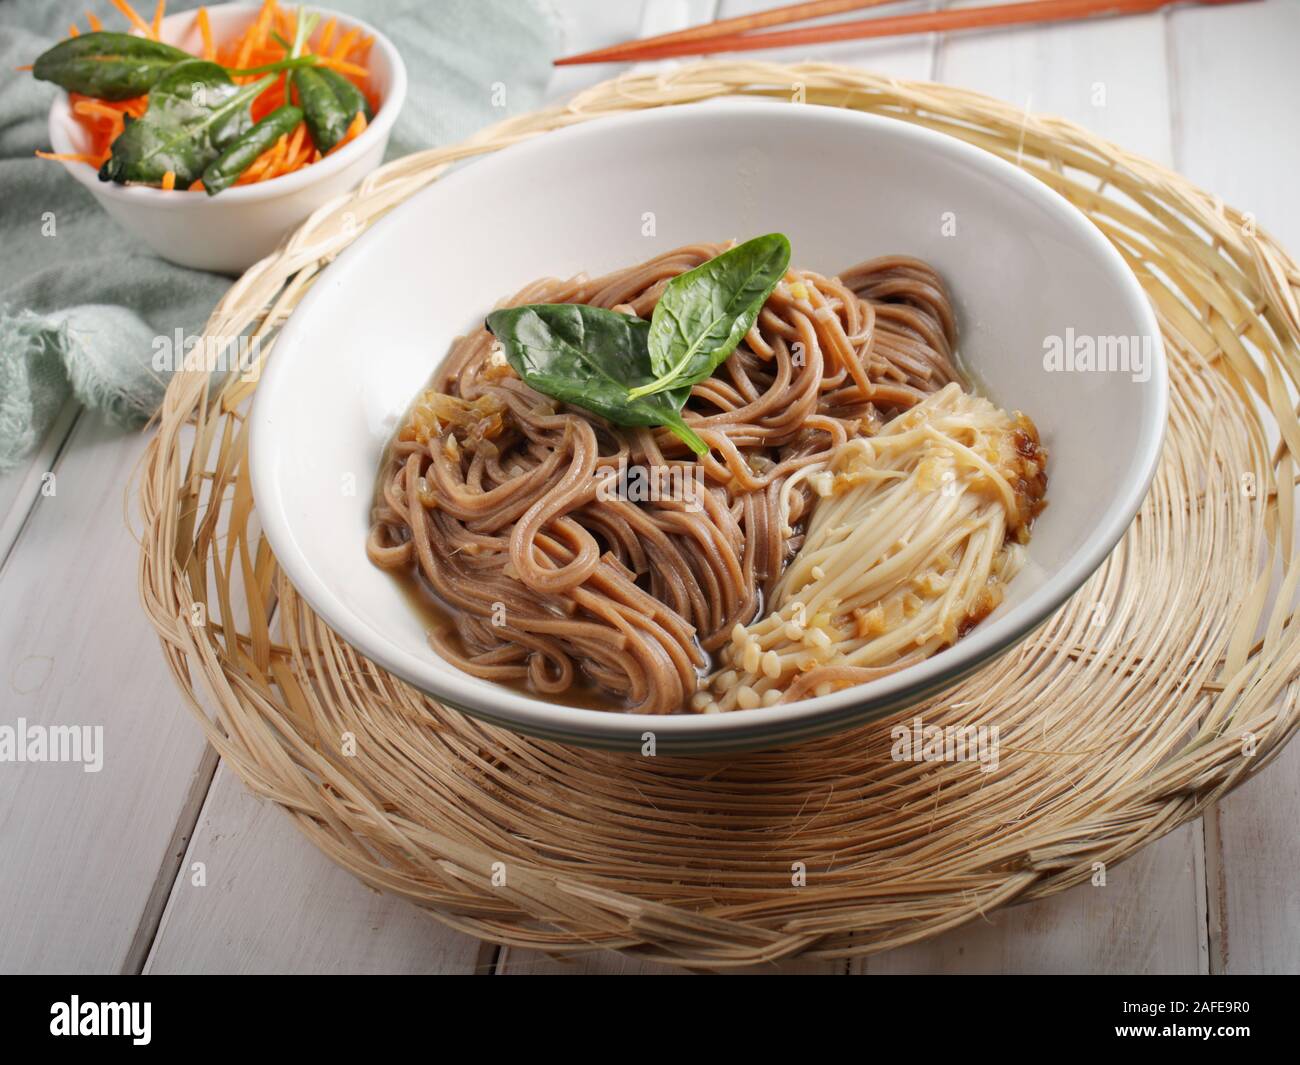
1023,265
229,232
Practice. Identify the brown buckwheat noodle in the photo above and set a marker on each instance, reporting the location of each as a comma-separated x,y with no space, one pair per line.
493,493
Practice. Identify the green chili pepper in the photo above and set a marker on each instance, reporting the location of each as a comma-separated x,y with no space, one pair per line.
241,153
108,66
328,106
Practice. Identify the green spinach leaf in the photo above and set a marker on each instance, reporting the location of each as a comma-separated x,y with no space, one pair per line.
243,151
592,358
109,66
329,106
704,313
195,111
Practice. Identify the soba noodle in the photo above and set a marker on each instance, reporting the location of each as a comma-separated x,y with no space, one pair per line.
498,496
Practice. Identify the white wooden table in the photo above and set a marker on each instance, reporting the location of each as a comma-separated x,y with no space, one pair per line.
97,870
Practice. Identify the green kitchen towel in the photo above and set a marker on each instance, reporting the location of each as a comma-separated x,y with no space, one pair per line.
83,304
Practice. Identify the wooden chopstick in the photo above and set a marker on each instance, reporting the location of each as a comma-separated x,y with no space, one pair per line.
1033,11
726,27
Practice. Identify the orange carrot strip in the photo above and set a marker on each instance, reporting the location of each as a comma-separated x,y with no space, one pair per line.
93,19
197,186
26,66
277,158
70,157
96,109
205,29
345,42
327,33
303,158
355,128
263,23
131,15
73,31
344,67
156,27
296,143
245,51
261,163
169,181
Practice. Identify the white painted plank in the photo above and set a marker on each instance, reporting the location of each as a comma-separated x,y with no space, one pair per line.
1236,82
82,851
1146,919
1108,74
20,487
265,900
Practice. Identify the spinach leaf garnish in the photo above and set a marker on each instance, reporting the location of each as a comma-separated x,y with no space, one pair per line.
592,358
109,66
243,151
704,313
330,102
194,112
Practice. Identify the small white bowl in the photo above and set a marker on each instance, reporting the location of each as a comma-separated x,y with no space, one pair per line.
1023,266
229,232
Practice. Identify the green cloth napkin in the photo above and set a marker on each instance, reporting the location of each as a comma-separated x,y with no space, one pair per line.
82,302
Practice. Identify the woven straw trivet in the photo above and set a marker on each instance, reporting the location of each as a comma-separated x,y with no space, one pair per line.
1168,680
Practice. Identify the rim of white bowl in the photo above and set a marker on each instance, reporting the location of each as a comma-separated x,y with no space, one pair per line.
781,723
285,185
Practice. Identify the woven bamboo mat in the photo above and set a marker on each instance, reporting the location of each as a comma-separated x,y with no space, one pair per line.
1167,680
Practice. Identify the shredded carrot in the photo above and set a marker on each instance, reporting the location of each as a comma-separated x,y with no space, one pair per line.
255,46
97,110
344,67
296,142
327,33
277,158
73,31
263,24
70,157
355,128
205,29
27,66
345,43
132,17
